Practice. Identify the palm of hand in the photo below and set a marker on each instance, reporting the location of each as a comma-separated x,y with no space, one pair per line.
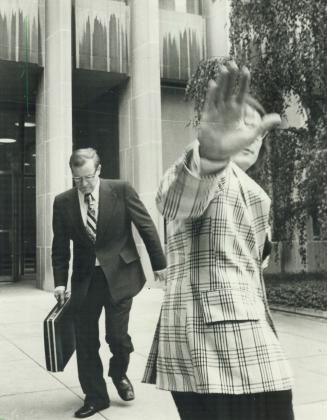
231,122
223,129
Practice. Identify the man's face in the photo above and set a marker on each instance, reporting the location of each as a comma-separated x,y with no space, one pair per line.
86,176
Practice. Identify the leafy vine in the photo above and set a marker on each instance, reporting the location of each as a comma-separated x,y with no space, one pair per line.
283,42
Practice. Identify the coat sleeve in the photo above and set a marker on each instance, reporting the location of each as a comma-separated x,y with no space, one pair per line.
183,193
60,247
146,228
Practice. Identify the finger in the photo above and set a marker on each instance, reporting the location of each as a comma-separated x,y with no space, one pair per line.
244,85
230,79
62,298
211,95
222,82
268,122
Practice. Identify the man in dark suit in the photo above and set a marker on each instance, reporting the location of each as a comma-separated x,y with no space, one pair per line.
97,216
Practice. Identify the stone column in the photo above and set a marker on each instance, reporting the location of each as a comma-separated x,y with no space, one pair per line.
140,111
54,127
216,14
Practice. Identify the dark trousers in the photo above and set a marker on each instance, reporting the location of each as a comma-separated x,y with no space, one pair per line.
262,406
90,369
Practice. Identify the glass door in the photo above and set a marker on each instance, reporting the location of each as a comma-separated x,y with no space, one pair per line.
10,209
6,227
17,198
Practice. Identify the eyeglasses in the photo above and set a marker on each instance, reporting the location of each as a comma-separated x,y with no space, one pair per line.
78,179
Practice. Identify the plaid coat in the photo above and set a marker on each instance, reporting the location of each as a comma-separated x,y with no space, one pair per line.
215,333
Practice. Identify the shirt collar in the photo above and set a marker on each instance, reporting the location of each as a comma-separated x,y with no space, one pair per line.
95,192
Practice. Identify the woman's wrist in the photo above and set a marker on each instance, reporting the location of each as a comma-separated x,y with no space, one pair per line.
204,165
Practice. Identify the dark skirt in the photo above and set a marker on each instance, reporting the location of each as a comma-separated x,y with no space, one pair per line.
261,406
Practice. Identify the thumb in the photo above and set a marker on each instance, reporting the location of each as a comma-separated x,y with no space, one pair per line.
62,298
268,122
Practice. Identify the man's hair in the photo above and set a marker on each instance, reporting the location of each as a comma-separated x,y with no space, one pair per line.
80,156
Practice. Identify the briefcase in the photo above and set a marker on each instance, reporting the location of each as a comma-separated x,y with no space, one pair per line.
59,337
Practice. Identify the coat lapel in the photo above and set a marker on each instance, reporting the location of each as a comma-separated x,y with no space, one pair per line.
75,214
107,203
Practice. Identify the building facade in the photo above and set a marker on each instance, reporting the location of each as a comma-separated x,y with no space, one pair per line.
108,74
102,73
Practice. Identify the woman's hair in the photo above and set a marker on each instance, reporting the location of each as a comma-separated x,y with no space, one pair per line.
264,150
80,156
255,170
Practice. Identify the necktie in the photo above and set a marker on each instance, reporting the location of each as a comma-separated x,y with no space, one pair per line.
91,221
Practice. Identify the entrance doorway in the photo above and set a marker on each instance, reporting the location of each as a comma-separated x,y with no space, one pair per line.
18,85
17,194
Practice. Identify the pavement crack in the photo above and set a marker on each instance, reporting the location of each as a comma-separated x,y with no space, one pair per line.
29,392
40,366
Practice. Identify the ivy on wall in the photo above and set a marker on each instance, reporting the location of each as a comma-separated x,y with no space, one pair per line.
283,42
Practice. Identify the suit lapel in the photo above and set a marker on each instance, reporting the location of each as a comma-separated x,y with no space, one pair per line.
75,214
107,203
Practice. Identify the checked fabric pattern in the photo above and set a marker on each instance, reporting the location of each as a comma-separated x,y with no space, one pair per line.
91,222
214,334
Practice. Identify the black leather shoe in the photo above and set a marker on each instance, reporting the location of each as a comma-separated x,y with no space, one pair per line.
124,388
88,410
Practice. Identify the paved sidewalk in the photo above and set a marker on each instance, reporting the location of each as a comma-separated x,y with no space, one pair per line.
29,392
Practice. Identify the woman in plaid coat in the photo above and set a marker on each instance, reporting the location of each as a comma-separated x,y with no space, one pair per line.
215,347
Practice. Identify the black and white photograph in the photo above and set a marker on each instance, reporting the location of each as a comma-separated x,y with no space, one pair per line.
163,209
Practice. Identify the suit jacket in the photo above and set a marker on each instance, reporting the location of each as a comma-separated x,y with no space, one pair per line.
214,333
119,207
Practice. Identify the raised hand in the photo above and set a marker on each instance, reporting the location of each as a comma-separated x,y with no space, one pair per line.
230,122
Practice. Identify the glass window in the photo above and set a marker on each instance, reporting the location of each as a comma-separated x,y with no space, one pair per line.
184,6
